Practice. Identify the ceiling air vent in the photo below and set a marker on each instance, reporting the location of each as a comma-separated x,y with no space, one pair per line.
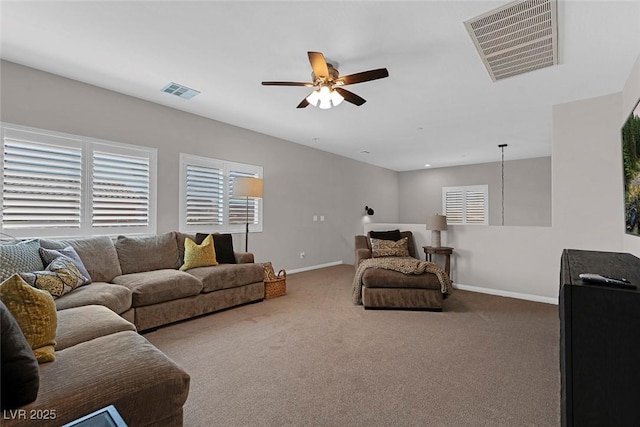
180,90
519,37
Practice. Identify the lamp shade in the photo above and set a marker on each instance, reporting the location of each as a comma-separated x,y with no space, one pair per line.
247,187
437,222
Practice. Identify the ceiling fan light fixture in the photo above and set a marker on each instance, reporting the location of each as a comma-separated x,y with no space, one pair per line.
325,98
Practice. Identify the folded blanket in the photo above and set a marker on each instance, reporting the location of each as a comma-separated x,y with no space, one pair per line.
406,265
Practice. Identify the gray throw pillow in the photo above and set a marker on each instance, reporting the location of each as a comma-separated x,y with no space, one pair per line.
20,374
149,253
48,255
18,258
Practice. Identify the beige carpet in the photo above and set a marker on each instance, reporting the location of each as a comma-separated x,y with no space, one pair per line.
312,358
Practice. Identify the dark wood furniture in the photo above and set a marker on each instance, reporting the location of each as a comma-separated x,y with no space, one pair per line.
599,341
441,250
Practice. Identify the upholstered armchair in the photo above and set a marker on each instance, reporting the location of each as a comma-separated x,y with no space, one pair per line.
386,288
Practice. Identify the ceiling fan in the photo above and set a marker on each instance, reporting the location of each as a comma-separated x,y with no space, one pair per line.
328,83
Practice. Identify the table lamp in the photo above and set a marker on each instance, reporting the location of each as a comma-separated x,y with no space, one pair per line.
436,223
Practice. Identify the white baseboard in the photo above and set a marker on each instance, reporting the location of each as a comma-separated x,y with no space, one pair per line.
499,292
314,267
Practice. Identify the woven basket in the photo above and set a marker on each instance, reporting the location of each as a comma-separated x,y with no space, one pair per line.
276,287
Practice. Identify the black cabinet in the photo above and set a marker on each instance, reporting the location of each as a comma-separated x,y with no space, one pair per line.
599,341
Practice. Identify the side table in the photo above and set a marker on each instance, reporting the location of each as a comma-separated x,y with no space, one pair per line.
442,250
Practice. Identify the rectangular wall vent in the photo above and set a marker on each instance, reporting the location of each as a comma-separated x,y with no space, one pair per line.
519,37
180,90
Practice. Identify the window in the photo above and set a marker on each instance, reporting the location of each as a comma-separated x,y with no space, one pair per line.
56,184
206,196
466,205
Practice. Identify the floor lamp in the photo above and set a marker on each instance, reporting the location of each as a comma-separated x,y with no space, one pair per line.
250,188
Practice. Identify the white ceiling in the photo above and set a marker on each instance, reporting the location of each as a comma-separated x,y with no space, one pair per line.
438,106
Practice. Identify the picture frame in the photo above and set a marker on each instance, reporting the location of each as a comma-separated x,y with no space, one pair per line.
631,171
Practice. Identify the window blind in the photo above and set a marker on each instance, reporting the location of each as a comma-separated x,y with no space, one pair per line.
466,205
42,184
56,184
120,195
207,204
454,207
204,195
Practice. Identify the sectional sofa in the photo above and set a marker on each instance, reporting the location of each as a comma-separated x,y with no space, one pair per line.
101,359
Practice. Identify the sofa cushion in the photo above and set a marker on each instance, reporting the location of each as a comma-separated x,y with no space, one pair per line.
35,312
199,255
18,258
48,255
225,276
381,278
20,375
122,369
74,329
180,238
223,245
60,277
388,248
152,287
115,297
97,253
148,253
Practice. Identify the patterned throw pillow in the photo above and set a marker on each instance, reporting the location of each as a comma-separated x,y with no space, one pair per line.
60,277
20,257
48,255
202,255
383,248
35,312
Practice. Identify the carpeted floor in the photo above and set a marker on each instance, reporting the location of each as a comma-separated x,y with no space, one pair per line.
312,358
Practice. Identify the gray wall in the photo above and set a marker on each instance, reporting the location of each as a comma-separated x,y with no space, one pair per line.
299,182
527,194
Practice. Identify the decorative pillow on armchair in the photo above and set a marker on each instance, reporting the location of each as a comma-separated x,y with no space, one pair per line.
387,248
394,235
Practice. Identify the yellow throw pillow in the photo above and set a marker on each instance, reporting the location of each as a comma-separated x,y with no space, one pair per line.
35,312
202,255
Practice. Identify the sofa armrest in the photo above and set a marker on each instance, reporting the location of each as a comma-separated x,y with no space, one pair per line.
362,249
244,257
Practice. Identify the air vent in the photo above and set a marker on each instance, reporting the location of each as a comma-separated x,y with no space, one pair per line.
180,90
519,37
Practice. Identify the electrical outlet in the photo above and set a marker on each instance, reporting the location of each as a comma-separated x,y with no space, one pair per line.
315,218
302,255
321,217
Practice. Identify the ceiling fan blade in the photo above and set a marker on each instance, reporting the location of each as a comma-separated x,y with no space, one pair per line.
303,104
287,84
364,76
318,64
350,96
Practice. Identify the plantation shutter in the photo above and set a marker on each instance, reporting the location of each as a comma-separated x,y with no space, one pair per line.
238,206
120,190
42,182
204,195
466,205
475,207
454,206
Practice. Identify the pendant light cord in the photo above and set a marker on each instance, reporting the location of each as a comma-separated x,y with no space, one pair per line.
502,148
